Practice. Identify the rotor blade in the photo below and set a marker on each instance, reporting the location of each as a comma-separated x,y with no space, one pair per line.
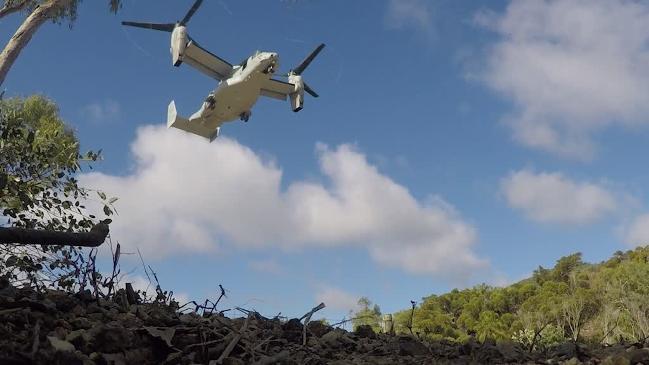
310,91
299,69
191,12
169,27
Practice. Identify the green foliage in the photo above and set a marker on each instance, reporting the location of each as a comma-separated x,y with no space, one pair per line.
367,315
39,157
550,336
573,301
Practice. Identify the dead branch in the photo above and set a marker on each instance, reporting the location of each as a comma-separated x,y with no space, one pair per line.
307,318
233,343
24,236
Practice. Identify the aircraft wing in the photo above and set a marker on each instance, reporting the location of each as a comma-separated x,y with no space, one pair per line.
206,62
277,89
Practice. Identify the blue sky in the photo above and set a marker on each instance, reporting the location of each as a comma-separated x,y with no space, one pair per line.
453,143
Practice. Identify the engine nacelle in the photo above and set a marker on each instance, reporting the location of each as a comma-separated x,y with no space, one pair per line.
297,97
179,41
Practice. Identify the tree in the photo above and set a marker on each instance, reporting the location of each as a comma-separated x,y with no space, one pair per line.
39,11
578,307
565,266
489,326
433,321
367,315
39,157
541,310
632,286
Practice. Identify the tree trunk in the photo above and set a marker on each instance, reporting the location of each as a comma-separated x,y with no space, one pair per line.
25,32
22,236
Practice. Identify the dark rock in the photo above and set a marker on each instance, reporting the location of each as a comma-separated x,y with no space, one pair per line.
62,301
318,329
564,351
110,338
638,356
409,346
233,361
293,330
512,352
337,338
79,338
365,331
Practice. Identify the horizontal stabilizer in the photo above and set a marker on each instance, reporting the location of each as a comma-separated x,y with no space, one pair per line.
195,127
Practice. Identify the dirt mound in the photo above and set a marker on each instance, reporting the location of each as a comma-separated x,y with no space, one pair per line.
59,328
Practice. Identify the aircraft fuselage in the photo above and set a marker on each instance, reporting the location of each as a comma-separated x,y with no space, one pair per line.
235,96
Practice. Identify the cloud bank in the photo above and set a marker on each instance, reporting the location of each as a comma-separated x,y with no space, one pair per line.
185,195
571,68
553,198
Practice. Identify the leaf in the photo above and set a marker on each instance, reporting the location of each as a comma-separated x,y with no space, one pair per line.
112,200
101,195
107,210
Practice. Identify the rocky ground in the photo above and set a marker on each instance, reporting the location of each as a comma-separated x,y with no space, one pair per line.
59,328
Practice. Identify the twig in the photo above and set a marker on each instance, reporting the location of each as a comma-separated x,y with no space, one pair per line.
146,272
37,333
218,300
307,318
234,342
203,344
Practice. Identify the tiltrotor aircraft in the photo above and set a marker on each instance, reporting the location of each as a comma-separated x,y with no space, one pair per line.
239,86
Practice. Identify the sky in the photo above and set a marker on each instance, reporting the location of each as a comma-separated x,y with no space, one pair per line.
454,143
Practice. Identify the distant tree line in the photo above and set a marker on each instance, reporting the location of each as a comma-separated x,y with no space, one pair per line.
573,301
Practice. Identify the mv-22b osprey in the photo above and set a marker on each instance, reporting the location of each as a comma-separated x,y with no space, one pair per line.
239,85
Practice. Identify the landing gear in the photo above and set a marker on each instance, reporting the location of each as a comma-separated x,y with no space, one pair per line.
245,116
270,69
211,101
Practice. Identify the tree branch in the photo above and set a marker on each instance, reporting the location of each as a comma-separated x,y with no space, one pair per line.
10,8
23,35
22,236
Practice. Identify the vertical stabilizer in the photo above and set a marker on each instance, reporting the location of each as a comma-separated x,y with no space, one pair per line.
195,127
171,114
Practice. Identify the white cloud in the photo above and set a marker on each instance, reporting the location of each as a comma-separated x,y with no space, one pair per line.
571,67
101,111
637,233
186,195
409,13
553,198
338,299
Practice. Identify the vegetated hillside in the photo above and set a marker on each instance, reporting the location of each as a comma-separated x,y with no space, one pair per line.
596,303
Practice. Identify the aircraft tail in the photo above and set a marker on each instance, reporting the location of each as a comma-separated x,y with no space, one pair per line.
176,121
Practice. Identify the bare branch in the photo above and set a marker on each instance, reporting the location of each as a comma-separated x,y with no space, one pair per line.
23,236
